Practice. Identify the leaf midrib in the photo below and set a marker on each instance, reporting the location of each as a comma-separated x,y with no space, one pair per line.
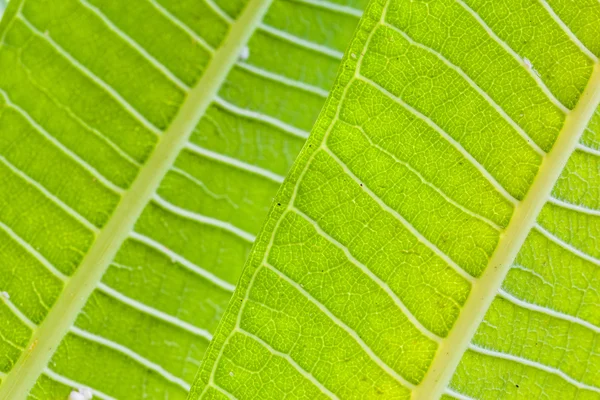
484,290
80,286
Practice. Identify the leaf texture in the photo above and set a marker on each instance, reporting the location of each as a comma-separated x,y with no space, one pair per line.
438,234
141,144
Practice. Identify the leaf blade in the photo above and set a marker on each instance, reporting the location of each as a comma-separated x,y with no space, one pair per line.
530,199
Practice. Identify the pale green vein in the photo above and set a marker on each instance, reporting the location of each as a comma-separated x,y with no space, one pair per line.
283,80
547,311
74,385
223,392
55,200
234,162
203,219
532,272
5,298
568,31
566,246
574,207
153,312
183,26
153,244
29,249
457,395
532,364
267,119
224,16
589,150
201,184
166,72
144,362
328,5
298,41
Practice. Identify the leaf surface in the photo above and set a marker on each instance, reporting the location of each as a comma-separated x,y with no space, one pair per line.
439,233
141,144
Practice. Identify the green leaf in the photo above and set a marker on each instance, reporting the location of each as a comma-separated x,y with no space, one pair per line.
141,144
439,233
